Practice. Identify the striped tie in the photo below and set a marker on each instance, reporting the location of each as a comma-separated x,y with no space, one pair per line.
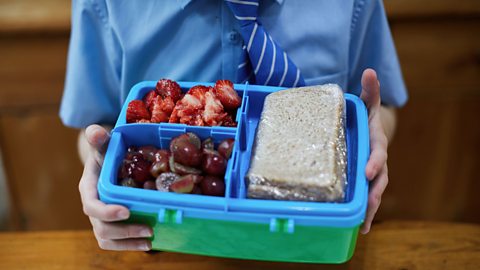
261,56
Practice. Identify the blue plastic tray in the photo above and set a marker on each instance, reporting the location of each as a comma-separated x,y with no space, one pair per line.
234,206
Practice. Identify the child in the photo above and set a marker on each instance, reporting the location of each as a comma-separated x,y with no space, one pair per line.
115,44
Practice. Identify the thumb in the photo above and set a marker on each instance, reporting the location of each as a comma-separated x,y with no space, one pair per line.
97,137
370,89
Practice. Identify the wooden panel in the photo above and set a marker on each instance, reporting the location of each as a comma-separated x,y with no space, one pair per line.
390,246
32,70
433,161
441,57
34,15
427,8
43,170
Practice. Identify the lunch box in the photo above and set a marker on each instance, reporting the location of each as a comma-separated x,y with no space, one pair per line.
235,226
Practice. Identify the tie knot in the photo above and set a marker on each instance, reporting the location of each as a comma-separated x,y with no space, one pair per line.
245,11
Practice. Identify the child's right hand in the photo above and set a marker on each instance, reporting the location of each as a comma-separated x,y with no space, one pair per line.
110,235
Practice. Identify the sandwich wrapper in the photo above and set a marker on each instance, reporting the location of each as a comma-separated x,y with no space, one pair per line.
300,151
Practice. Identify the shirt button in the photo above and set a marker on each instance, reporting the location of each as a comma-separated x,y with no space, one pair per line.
234,37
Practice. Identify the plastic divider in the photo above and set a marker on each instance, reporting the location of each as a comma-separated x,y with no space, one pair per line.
355,182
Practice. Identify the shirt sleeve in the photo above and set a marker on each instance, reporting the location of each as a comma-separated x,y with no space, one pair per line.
91,92
372,46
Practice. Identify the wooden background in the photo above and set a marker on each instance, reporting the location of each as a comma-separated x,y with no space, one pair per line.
432,160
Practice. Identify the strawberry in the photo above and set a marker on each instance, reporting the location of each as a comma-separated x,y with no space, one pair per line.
199,91
149,98
137,111
227,95
228,121
167,105
158,114
213,114
144,121
169,88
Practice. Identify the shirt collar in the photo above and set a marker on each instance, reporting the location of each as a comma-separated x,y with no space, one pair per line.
184,3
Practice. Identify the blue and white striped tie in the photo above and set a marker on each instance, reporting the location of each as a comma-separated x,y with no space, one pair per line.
261,56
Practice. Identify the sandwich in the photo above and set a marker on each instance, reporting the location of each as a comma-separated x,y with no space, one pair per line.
299,151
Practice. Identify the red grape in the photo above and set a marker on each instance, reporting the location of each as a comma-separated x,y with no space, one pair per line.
208,144
183,184
182,169
212,186
131,156
159,167
214,164
128,182
225,148
148,152
139,170
164,180
123,170
161,155
196,190
149,185
186,153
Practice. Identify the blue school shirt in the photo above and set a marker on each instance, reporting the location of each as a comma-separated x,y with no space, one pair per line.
115,44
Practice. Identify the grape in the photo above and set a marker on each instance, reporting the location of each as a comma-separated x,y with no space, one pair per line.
225,148
148,152
207,144
193,138
159,167
212,186
186,153
183,184
133,156
182,169
123,170
139,170
196,190
128,182
164,180
149,185
161,155
214,164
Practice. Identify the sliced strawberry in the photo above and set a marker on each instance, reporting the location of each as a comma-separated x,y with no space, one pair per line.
199,91
213,114
158,115
137,111
167,105
149,99
228,121
169,88
227,95
144,121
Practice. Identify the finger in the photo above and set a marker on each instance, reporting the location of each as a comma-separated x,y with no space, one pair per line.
125,244
97,137
115,231
370,89
89,196
377,188
378,155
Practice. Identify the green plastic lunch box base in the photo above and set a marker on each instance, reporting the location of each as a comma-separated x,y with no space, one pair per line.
245,240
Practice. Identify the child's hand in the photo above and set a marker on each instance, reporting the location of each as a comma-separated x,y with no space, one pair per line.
376,169
110,235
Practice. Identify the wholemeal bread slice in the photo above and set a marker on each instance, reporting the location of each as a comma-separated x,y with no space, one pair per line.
300,150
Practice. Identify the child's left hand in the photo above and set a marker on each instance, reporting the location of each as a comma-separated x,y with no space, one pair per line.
376,169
